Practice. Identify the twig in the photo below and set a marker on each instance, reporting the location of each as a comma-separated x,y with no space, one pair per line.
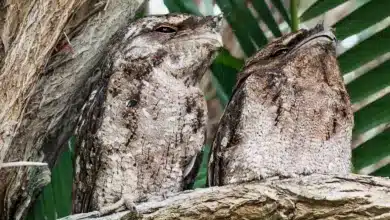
106,6
22,163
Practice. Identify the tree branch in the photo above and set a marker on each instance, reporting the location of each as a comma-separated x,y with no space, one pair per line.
309,197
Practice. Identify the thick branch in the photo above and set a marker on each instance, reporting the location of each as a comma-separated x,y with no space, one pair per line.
40,102
310,197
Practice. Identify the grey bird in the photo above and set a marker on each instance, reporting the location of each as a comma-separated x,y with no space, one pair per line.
151,118
289,115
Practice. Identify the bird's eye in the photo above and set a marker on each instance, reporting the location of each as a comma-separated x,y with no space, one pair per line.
132,103
279,52
166,29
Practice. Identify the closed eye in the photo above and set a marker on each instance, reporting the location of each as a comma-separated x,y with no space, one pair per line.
166,29
279,52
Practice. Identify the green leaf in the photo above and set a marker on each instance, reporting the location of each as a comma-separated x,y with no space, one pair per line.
224,81
383,171
221,94
372,151
201,176
226,59
49,203
279,5
55,201
370,83
39,209
225,68
239,30
372,115
365,51
320,7
182,6
43,207
65,181
265,14
172,6
251,24
362,18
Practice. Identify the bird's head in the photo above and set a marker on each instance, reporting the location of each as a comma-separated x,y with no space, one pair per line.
180,44
301,47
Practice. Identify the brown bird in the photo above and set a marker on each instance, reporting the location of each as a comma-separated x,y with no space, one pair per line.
289,115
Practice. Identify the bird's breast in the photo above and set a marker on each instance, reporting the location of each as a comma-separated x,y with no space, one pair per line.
285,130
151,127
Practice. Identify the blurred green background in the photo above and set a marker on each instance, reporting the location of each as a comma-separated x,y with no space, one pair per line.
363,30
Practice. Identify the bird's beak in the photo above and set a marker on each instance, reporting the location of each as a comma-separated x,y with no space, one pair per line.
325,36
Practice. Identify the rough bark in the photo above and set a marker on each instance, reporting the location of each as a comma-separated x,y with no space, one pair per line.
309,197
42,93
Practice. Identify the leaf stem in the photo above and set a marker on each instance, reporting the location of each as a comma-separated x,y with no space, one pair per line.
294,14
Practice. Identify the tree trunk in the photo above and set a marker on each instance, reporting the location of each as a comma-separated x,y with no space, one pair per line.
47,56
309,197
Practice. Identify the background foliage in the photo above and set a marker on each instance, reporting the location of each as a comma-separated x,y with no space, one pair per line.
361,26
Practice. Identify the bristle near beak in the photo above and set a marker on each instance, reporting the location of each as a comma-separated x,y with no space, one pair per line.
319,27
218,19
218,25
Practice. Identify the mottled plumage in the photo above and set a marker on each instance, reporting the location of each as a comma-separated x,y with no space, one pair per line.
153,117
289,115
